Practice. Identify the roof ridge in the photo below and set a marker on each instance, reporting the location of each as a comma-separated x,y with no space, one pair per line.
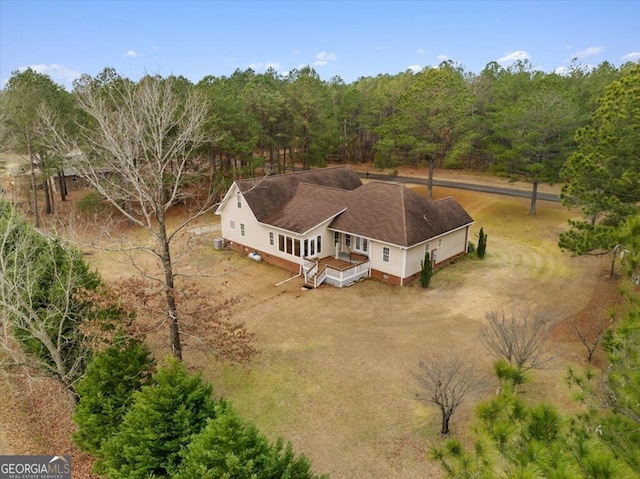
316,185
404,213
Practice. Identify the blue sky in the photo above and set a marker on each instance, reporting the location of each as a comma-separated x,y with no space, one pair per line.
350,39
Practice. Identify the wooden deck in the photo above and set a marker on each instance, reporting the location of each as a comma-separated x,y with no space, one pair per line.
340,272
343,262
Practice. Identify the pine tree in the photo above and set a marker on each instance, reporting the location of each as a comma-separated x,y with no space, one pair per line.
230,447
516,439
426,270
163,417
106,392
482,244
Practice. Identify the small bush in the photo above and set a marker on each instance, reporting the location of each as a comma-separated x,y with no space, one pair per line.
471,247
91,203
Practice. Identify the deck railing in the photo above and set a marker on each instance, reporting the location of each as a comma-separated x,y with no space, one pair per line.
319,278
346,276
335,276
310,268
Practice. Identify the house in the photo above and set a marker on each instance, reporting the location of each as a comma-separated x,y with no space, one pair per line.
327,226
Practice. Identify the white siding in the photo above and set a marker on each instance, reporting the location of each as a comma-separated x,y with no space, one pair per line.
452,244
414,256
394,266
257,235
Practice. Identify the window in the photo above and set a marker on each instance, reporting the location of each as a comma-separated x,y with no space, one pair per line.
439,242
242,229
336,238
361,244
319,241
232,224
347,240
239,199
385,254
290,245
427,247
272,240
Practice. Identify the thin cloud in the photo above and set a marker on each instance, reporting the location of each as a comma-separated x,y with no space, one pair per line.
511,58
443,58
588,52
324,58
420,50
414,68
260,66
631,57
132,54
58,73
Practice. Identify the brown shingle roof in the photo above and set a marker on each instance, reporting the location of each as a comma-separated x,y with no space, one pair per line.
398,215
310,206
270,194
386,212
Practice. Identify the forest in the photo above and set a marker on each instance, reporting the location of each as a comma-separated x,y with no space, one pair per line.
150,145
516,121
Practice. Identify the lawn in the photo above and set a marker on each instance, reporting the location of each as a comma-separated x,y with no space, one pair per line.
334,370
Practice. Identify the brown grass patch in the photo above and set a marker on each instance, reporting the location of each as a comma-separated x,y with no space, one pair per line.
333,373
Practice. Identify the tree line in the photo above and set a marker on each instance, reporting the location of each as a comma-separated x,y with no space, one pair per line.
515,120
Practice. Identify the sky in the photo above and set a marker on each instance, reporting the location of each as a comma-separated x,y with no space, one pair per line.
349,39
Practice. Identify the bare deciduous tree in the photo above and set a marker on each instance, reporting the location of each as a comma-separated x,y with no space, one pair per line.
40,308
139,151
517,333
445,382
590,328
205,322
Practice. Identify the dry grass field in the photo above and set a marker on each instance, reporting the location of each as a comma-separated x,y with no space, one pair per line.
334,369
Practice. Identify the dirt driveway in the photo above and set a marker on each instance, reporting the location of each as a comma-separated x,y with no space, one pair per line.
334,370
